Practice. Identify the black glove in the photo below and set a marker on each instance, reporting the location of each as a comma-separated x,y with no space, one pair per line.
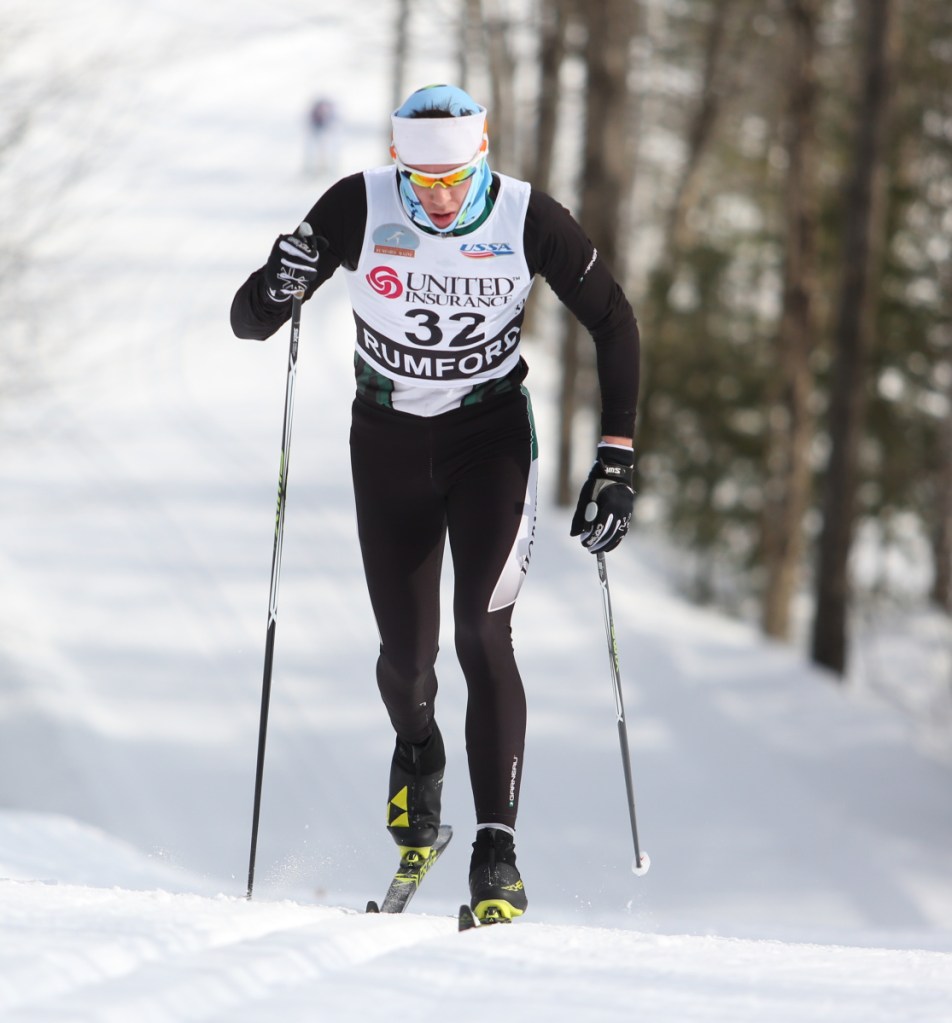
291,267
607,499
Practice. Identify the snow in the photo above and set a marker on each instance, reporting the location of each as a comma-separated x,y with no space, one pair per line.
799,830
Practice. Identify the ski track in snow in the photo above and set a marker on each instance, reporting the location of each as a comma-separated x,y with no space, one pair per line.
153,955
156,957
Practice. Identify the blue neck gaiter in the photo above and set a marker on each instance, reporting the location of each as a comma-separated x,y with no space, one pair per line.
474,205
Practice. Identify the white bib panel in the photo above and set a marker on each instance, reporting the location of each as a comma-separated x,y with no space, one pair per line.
439,315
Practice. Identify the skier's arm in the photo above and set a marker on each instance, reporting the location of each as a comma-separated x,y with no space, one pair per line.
339,216
558,249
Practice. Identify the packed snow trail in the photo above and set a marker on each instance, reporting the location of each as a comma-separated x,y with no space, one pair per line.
88,954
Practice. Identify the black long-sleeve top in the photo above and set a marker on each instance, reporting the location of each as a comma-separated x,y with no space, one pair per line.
556,248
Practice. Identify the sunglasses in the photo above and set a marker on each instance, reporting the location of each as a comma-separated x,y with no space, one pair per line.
449,179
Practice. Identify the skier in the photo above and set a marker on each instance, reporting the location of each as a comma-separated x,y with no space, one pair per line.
319,141
439,254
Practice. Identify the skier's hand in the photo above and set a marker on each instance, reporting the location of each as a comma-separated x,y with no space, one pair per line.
291,267
607,499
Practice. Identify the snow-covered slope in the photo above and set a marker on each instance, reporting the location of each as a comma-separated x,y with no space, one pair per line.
799,837
99,952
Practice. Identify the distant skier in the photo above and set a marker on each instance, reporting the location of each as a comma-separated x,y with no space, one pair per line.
439,255
320,141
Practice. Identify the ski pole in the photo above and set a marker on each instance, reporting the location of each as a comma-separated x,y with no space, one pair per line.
305,233
641,863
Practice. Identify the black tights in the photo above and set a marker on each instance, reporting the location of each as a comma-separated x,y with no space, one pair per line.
467,474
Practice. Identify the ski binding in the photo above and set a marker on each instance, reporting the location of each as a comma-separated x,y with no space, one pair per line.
413,868
491,915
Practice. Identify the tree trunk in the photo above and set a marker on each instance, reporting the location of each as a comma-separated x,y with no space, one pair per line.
864,230
941,593
700,133
607,177
554,16
700,130
788,487
554,22
401,47
502,111
470,40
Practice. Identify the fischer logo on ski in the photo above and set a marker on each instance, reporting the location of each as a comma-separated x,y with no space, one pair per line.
414,866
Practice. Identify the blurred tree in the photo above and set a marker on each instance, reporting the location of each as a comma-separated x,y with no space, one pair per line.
606,178
941,525
401,52
497,26
790,387
862,250
552,29
908,476
740,256
707,313
552,20
470,39
699,133
941,532
485,30
677,230
56,128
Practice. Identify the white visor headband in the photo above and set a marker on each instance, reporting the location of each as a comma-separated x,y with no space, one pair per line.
420,141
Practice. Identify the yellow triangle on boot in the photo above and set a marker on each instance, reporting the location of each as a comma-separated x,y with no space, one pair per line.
398,803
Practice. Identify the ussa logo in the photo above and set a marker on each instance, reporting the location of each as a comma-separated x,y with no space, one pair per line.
385,281
486,250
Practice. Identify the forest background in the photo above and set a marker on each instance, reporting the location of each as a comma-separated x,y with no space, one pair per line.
771,179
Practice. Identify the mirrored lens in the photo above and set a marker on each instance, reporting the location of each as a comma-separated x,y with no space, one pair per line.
455,176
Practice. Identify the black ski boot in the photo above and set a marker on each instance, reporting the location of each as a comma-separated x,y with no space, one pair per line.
495,887
416,784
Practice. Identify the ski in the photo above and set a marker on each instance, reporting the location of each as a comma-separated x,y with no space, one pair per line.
413,868
468,919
